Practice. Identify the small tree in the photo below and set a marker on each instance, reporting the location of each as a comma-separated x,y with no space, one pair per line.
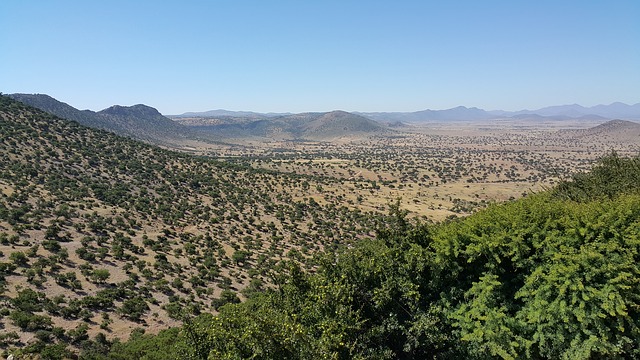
134,308
99,276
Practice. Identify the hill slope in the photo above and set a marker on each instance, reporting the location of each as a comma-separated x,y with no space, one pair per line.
138,121
339,124
99,233
85,117
144,122
612,131
614,128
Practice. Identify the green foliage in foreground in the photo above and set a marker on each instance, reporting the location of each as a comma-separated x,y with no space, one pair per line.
613,175
549,276
140,346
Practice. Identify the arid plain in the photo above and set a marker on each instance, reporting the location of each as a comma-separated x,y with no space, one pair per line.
438,170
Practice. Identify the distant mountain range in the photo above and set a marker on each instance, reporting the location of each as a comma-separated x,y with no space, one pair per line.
146,123
220,112
616,110
563,112
457,113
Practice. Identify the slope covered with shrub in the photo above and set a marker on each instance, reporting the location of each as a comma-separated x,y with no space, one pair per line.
553,275
100,234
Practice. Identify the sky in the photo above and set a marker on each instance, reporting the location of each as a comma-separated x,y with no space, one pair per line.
298,56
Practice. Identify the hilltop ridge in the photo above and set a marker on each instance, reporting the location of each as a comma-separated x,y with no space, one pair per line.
559,112
310,126
134,110
138,121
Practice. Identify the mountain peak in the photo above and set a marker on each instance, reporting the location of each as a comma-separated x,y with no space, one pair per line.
139,121
138,110
339,113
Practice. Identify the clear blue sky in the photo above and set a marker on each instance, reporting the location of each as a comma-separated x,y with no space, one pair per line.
300,55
